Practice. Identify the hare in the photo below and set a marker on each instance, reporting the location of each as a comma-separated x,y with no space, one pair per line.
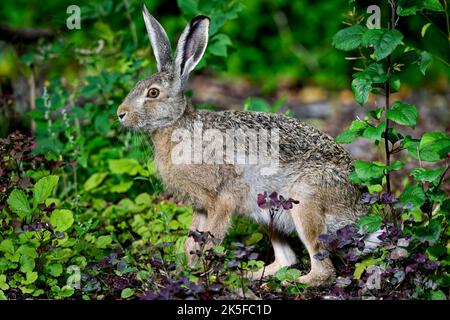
312,167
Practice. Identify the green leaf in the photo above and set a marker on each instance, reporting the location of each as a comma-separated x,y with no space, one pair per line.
121,187
375,73
376,114
7,246
44,188
425,28
55,269
434,146
30,278
94,181
18,203
128,166
127,293
188,7
61,219
103,241
360,267
375,133
353,132
366,170
27,250
253,238
413,195
427,175
219,45
397,165
412,145
27,264
411,7
66,292
349,38
403,113
425,61
3,284
438,295
370,222
384,41
429,233
361,88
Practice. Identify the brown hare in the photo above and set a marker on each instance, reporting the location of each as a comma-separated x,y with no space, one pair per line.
310,166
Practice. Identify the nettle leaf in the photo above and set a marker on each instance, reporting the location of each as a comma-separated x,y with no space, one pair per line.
353,132
427,175
374,133
434,146
361,88
413,195
411,7
384,41
18,203
44,188
349,38
94,181
370,222
128,166
403,113
61,219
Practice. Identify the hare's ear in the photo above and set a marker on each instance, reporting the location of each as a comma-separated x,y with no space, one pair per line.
159,41
191,46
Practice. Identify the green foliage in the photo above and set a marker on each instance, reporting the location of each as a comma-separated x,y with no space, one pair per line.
420,210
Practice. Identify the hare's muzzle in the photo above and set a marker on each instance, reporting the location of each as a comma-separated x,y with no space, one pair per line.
122,113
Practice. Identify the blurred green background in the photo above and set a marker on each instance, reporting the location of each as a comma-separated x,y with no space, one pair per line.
270,44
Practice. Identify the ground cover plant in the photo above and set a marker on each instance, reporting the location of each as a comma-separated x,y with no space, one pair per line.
83,214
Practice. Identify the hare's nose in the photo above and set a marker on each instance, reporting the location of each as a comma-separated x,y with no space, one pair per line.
122,115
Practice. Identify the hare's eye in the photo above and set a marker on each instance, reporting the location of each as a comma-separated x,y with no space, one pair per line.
153,93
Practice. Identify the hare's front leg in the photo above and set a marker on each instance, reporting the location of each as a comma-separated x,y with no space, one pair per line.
219,215
309,223
284,256
199,219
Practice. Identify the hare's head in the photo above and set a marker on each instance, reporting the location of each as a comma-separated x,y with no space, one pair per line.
159,101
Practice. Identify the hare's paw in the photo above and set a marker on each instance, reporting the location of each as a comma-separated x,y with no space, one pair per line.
269,270
318,279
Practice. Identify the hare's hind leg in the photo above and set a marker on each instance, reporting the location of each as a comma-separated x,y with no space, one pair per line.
309,222
284,256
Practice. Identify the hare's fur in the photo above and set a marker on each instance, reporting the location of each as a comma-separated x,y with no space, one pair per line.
313,168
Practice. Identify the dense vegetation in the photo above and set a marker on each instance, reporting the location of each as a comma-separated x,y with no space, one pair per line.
83,215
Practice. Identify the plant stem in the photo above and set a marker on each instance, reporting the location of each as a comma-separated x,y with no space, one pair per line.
391,25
